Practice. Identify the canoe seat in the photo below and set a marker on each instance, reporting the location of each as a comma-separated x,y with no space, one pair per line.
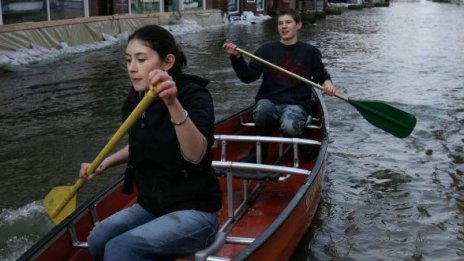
253,175
311,123
255,170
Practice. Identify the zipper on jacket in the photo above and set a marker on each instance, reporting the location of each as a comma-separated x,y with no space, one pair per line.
142,121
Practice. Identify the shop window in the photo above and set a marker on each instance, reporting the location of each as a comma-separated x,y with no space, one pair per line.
145,6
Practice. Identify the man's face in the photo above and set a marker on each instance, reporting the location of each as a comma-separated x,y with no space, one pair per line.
288,28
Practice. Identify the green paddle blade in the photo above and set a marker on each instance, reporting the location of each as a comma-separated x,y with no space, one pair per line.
390,119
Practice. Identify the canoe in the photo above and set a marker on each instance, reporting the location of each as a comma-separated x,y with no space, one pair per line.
268,205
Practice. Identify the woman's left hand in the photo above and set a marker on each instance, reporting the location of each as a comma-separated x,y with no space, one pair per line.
164,85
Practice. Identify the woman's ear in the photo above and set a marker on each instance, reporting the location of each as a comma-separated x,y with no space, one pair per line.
168,62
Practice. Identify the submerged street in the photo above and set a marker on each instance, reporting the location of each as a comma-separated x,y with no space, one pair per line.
384,198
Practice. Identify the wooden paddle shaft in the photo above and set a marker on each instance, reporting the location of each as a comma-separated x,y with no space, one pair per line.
287,72
383,116
127,124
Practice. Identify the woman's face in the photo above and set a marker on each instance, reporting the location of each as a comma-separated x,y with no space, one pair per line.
140,60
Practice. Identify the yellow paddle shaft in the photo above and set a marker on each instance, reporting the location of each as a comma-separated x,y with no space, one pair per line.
125,126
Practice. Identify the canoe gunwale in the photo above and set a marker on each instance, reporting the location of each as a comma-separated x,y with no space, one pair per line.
64,227
280,220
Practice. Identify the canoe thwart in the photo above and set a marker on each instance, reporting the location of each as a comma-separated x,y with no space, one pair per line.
267,139
74,240
253,175
233,165
309,123
211,249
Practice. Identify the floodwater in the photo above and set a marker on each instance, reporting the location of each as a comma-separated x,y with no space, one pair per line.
384,198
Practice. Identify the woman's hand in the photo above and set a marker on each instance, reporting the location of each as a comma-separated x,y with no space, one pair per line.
328,88
230,49
163,84
120,157
83,171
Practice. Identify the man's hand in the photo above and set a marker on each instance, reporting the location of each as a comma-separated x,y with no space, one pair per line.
230,48
328,88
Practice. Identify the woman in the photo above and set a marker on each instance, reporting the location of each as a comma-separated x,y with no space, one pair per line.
282,101
170,158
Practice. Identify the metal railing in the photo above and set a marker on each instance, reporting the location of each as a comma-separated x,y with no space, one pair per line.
229,167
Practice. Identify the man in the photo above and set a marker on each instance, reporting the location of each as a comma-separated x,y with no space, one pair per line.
282,101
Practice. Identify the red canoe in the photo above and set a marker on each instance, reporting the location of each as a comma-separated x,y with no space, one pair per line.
266,210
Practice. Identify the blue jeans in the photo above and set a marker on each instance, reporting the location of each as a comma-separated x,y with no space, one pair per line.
136,234
290,119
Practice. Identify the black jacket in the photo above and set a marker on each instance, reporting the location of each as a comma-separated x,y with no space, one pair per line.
166,181
300,58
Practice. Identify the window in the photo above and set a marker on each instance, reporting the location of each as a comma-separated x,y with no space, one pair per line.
145,6
233,6
19,11
260,5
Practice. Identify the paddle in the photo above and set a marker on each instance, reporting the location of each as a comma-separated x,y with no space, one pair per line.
61,201
386,117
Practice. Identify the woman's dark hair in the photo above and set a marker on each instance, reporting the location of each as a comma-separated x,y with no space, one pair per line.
291,12
162,41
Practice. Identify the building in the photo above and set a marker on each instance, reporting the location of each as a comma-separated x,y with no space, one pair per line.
19,11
